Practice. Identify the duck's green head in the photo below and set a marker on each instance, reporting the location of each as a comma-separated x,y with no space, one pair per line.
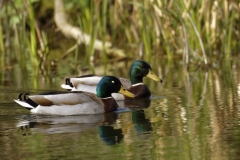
141,69
109,85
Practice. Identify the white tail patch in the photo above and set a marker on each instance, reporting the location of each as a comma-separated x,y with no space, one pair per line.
86,80
66,86
24,104
88,84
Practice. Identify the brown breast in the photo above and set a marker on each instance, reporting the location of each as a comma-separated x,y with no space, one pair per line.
140,91
109,104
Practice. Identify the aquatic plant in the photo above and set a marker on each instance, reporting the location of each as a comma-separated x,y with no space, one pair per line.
194,31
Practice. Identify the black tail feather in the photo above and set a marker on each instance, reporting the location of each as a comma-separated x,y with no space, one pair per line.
25,96
67,81
29,101
20,96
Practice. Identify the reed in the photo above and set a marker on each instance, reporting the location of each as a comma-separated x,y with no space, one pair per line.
14,38
103,20
76,56
86,23
2,47
196,31
19,45
33,38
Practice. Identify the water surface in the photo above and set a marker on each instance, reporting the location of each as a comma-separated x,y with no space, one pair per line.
192,115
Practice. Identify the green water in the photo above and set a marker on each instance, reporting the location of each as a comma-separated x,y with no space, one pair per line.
191,115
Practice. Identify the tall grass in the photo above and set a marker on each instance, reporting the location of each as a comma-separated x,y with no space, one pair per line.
86,23
20,37
33,38
2,47
194,31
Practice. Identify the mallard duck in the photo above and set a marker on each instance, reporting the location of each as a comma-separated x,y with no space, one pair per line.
78,102
135,85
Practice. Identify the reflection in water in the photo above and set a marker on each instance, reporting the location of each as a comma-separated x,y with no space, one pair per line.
197,117
110,135
70,124
29,124
141,123
60,124
107,132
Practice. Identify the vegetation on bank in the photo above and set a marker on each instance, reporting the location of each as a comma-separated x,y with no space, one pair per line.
193,31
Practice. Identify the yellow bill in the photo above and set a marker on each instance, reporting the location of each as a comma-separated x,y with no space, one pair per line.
126,92
153,76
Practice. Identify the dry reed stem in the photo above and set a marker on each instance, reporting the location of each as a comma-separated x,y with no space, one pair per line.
199,37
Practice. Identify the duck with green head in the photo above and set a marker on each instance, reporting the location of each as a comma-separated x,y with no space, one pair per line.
76,102
138,71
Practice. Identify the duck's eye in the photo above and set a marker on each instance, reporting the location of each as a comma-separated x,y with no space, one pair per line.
113,81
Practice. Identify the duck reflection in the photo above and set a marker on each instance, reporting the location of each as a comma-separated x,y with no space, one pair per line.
107,132
141,123
109,135
112,136
59,124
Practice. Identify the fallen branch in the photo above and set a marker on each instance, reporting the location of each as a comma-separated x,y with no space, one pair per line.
82,38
